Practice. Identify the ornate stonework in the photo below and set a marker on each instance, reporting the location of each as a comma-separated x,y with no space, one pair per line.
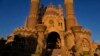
64,37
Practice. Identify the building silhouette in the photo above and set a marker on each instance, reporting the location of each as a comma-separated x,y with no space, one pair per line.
55,34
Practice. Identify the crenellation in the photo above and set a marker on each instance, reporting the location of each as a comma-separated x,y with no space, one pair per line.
55,33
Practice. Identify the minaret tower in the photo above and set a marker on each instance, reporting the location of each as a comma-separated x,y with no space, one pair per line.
70,17
76,35
32,19
70,23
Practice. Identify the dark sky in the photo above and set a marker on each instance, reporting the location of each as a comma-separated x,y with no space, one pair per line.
14,12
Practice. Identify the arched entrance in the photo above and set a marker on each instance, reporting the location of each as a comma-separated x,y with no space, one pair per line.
53,41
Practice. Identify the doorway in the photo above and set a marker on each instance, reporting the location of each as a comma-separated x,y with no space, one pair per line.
53,41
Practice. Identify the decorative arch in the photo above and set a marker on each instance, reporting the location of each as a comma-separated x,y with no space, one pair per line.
53,40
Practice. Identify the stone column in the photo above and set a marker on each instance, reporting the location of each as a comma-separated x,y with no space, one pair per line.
40,32
76,31
63,47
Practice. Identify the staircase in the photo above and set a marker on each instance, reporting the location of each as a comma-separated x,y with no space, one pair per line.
54,52
57,52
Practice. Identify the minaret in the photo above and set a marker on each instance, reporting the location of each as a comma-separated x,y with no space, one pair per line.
70,17
32,19
78,35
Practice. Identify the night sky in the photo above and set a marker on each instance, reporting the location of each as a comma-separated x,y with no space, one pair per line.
14,12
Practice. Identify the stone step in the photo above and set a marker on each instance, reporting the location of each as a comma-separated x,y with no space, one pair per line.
57,52
54,52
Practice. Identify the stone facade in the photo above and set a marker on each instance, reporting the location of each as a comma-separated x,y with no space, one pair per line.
63,36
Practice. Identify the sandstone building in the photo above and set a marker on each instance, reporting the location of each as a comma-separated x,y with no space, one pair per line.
56,34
